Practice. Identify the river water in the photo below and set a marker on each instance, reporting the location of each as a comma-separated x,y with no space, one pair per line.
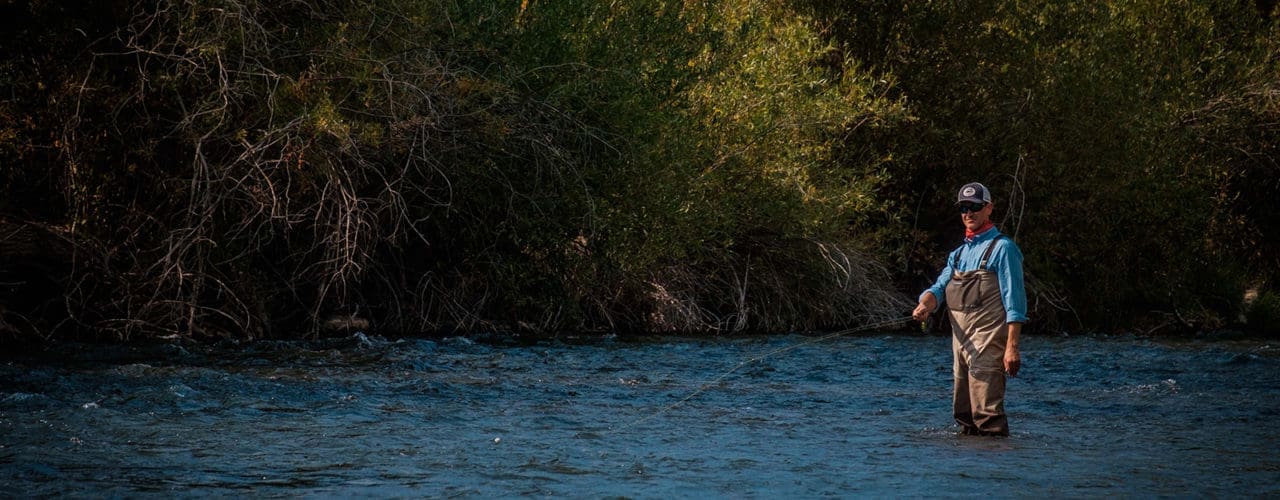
852,416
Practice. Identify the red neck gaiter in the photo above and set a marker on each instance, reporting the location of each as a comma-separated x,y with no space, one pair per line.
969,235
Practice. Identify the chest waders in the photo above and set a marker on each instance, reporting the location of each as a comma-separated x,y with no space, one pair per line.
978,339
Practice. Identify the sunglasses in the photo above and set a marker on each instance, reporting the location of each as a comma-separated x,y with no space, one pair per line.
971,207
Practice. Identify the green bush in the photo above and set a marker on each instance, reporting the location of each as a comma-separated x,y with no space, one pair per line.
246,168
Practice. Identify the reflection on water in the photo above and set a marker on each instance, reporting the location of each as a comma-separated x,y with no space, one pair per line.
851,416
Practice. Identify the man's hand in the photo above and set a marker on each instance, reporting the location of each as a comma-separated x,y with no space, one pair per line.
926,306
1012,357
1012,361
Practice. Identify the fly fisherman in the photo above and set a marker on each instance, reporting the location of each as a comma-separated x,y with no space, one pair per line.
982,287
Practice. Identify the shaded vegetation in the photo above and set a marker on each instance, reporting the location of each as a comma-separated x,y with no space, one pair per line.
243,169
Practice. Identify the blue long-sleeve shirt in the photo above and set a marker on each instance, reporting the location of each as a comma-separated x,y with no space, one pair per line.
1005,261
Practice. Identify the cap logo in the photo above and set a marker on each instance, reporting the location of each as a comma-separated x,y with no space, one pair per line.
968,191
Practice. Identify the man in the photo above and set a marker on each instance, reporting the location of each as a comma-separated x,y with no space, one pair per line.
982,287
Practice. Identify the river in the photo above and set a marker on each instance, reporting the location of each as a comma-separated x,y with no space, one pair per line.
865,415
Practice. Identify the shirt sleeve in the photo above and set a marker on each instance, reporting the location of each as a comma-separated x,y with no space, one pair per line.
1012,288
939,288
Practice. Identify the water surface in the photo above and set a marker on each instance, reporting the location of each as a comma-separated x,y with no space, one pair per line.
852,416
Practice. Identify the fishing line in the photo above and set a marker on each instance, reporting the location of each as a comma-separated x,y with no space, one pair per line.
760,357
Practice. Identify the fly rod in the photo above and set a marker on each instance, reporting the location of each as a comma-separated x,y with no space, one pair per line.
815,340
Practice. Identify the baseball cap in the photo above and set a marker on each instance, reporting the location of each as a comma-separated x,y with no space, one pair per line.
974,192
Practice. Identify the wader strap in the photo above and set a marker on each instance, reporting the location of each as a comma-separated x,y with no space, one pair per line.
986,255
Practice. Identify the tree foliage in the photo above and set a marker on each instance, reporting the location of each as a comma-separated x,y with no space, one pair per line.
243,168
1092,122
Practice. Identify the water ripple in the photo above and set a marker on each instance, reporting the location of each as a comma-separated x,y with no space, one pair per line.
856,416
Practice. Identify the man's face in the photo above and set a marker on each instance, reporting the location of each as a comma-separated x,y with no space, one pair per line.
974,219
